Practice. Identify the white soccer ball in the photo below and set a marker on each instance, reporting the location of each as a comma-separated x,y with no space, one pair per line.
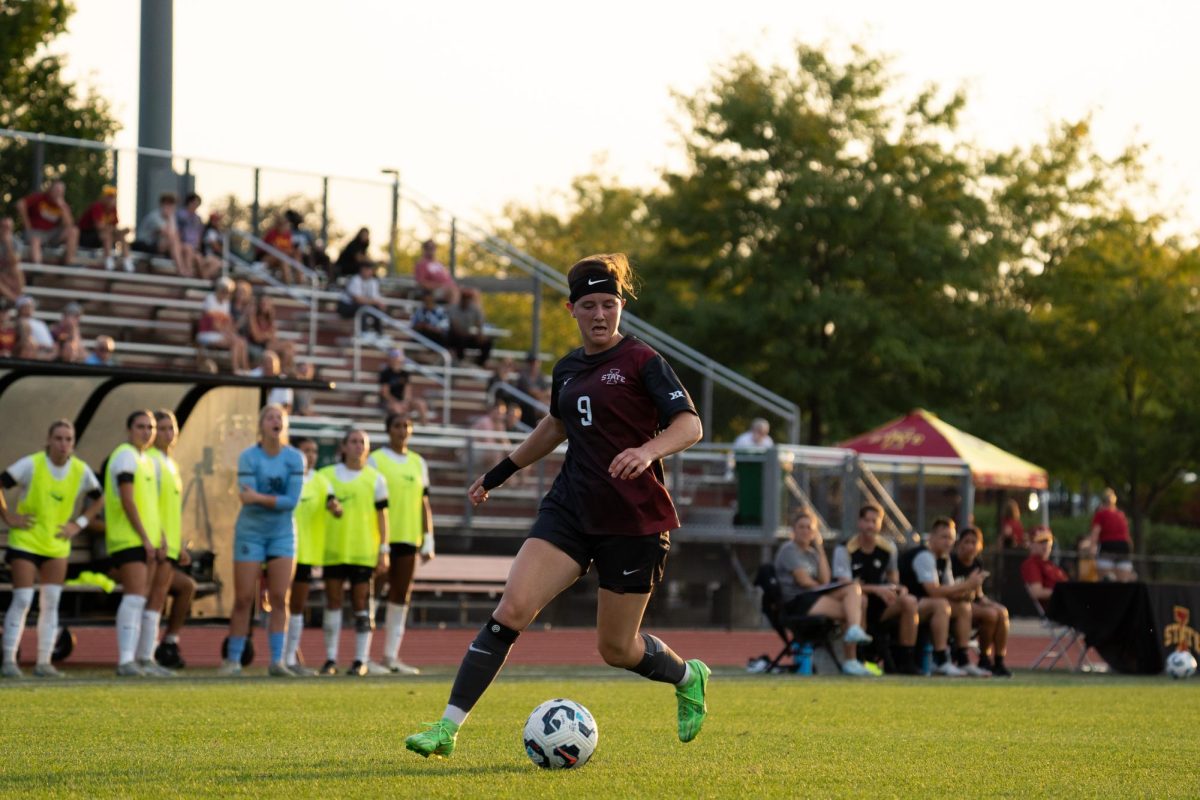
560,734
1181,664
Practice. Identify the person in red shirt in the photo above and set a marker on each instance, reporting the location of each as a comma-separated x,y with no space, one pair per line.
98,229
1109,538
1040,574
280,238
1012,532
46,217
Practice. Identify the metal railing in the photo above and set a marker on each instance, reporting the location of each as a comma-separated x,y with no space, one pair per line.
446,378
229,256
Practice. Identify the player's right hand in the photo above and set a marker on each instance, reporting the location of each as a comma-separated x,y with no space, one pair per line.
886,595
15,520
477,494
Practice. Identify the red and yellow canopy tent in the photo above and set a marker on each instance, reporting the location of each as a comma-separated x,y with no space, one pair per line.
922,435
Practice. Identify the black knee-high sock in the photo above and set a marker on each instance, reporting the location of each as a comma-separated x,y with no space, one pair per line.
484,659
660,662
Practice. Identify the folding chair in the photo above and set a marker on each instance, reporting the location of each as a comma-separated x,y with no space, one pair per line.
1062,639
795,631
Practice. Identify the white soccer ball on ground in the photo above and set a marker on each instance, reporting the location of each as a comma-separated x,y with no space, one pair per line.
1181,664
560,734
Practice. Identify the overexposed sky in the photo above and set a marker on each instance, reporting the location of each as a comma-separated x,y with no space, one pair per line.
479,104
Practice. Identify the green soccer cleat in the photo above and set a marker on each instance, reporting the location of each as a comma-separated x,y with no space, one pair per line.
437,741
690,697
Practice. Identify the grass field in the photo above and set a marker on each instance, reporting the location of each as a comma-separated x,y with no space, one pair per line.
777,736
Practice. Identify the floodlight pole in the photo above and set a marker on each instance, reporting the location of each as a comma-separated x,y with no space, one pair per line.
155,77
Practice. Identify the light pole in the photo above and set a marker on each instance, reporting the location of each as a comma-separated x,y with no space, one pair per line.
395,173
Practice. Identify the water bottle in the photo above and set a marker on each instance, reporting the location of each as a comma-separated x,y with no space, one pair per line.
926,658
804,663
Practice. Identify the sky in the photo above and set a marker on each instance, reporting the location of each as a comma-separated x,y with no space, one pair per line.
481,104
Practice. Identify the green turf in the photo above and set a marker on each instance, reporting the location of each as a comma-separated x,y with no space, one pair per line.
780,736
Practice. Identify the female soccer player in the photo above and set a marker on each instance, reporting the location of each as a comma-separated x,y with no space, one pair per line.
410,528
133,535
310,548
170,517
356,548
270,475
621,409
39,538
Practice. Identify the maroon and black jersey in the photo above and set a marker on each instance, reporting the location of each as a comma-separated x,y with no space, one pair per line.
609,402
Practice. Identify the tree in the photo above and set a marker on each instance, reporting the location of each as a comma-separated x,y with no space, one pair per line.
831,244
35,97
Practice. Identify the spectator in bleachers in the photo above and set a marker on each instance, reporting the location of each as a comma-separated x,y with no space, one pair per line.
268,367
212,238
280,238
158,235
492,430
34,339
759,435
289,367
216,327
191,237
1109,539
360,291
396,394
925,572
262,331
12,280
872,563
98,229
988,616
1012,532
1041,574
532,382
8,333
433,276
431,320
466,327
46,219
67,335
512,420
801,567
102,352
354,255
308,249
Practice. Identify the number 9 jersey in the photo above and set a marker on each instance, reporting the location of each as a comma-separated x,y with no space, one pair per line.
610,402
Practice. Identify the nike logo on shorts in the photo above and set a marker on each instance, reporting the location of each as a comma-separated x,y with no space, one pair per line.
475,649
630,571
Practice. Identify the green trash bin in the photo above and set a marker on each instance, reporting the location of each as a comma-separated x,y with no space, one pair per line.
749,492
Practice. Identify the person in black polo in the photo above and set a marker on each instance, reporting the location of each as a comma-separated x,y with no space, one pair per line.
925,572
990,617
871,562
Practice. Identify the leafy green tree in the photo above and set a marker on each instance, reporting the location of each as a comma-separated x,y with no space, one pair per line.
36,97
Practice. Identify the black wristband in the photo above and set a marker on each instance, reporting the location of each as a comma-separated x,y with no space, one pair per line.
499,474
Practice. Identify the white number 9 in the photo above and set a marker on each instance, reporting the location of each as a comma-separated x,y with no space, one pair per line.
585,409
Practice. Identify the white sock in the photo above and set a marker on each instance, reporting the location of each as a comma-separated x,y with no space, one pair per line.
687,674
14,621
171,638
129,626
362,638
295,628
455,715
397,616
47,626
148,636
333,632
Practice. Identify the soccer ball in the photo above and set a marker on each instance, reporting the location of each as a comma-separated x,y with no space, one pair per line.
560,734
1181,664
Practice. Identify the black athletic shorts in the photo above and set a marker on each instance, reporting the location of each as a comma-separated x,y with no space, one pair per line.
876,608
624,564
1118,547
303,573
128,556
354,573
14,554
403,550
799,605
90,238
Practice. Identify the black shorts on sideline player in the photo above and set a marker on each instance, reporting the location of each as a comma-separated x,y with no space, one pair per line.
402,550
624,564
354,573
14,554
303,573
128,556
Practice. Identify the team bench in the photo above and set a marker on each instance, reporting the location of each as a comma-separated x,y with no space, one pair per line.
459,582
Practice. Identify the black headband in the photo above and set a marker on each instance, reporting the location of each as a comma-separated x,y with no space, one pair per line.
593,280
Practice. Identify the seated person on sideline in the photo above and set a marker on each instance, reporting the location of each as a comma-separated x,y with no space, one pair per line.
395,393
46,219
431,275
12,280
158,235
759,435
1041,574
98,229
466,327
990,617
800,566
216,328
191,236
925,572
871,563
431,320
354,254
1109,539
363,290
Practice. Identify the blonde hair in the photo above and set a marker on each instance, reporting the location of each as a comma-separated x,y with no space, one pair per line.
616,264
1110,497
262,414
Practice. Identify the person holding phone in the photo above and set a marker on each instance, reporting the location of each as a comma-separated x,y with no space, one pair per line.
990,617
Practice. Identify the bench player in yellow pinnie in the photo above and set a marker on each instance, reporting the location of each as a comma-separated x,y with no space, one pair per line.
410,527
51,482
310,517
133,535
356,549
